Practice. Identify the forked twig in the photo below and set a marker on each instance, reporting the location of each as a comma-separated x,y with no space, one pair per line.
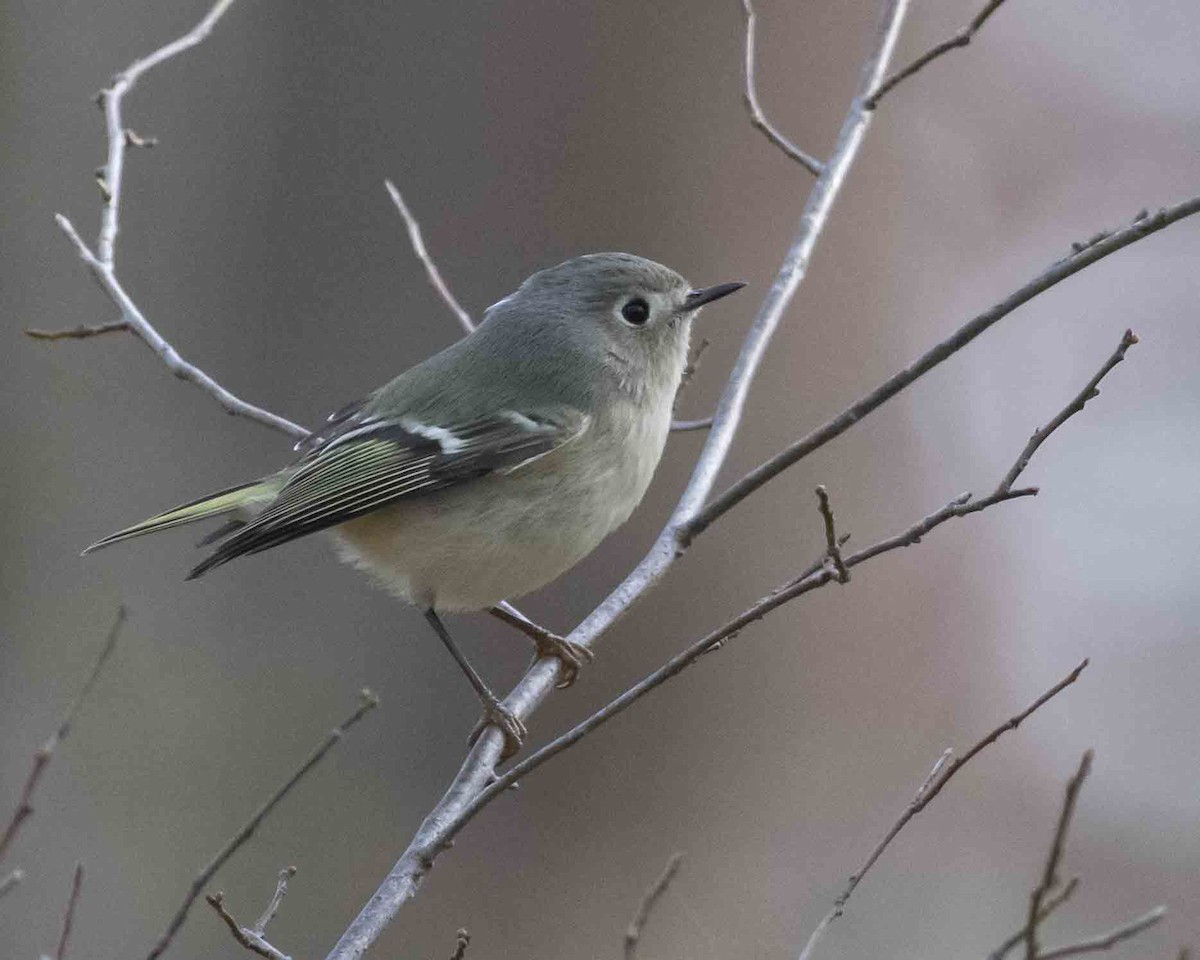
943,771
254,938
367,702
960,39
101,262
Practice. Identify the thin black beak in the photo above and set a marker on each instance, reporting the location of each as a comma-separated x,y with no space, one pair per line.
698,298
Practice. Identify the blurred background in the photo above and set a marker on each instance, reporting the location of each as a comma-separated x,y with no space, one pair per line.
259,238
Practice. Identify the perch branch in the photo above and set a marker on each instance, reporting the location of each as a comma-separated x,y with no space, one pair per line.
254,938
633,933
69,914
476,772
101,262
1070,265
367,702
42,757
758,118
431,270
960,39
943,771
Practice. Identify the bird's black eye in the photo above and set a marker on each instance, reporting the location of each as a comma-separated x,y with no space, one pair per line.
636,312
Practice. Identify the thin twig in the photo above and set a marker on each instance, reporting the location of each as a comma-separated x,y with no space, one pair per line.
101,262
111,174
1050,905
838,425
281,887
367,702
78,333
1089,392
461,942
254,938
41,758
960,39
1049,879
833,548
758,119
633,933
687,426
139,325
69,915
431,270
1108,940
942,773
10,882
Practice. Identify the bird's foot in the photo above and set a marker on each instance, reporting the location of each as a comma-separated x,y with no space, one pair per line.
572,656
497,715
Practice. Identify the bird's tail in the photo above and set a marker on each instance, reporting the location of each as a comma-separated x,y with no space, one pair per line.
244,497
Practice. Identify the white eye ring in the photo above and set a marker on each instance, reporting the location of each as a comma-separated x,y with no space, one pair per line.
636,312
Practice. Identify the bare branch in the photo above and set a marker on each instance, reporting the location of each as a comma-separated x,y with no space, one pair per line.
1051,904
476,772
943,771
81,332
367,702
139,325
1075,406
42,757
759,119
633,933
1049,878
254,938
110,178
1072,264
69,915
1108,940
960,39
833,548
111,174
431,270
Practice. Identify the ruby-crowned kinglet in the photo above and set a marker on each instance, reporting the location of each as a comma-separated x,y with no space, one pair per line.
493,466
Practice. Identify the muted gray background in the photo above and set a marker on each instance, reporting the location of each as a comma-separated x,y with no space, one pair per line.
260,240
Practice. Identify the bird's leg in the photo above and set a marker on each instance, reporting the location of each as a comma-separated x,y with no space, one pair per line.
494,712
572,655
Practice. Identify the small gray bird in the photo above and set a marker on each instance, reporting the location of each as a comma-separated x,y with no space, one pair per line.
490,468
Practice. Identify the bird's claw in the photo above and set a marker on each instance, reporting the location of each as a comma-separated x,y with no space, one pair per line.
572,656
497,715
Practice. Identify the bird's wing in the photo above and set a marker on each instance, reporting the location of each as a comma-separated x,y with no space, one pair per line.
372,462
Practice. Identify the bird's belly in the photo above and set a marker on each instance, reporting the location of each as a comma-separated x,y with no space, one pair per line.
470,547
